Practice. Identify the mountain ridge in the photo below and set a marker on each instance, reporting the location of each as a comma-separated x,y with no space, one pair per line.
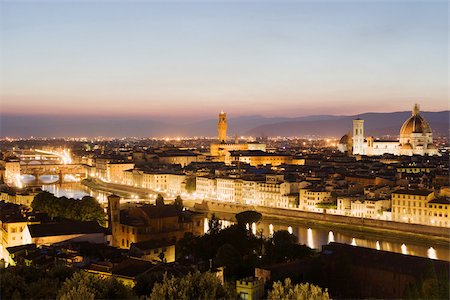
378,124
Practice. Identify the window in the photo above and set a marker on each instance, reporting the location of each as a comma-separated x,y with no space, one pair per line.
123,242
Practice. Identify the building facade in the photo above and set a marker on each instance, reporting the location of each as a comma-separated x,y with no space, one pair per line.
415,138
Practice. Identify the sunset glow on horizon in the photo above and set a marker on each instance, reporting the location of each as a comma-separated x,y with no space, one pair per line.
157,59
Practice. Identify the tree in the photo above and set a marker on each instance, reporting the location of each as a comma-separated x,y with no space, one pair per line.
229,257
20,282
86,209
159,200
190,184
283,247
302,291
248,217
203,286
93,287
79,292
178,202
213,225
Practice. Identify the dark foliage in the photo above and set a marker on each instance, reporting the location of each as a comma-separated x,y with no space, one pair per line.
86,209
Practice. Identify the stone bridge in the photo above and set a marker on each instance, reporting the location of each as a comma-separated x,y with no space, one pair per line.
53,169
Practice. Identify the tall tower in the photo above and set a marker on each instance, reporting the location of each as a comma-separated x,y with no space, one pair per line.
114,219
358,136
222,127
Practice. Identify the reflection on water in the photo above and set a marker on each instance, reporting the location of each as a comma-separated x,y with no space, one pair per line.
74,190
309,239
316,237
330,237
432,253
69,190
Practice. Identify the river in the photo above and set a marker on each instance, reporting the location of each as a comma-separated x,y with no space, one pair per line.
313,237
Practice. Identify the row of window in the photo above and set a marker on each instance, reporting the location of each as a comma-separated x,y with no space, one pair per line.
408,196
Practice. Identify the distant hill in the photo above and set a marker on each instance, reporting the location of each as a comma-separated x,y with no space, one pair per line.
377,124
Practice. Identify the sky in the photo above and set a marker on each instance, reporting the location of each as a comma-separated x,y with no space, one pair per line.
191,59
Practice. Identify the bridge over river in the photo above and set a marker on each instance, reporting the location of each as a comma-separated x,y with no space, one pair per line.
42,166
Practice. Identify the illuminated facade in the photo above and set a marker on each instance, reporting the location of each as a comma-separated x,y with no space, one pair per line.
222,128
421,207
222,148
12,171
257,158
309,198
114,171
274,191
150,222
416,138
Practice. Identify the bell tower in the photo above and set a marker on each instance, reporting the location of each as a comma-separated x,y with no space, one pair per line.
222,127
358,136
114,219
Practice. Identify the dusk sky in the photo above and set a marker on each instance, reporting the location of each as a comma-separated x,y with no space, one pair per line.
155,59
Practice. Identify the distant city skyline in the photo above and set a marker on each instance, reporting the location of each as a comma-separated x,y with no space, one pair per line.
190,59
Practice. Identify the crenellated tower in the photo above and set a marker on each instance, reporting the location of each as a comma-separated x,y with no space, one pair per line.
222,127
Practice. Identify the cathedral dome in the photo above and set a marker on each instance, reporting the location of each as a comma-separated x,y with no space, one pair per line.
415,124
344,139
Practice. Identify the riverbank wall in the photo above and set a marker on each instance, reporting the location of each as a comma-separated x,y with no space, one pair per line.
313,218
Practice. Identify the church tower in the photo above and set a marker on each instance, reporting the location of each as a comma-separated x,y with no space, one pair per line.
114,219
222,127
358,136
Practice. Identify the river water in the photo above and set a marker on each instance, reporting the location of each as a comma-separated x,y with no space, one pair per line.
312,236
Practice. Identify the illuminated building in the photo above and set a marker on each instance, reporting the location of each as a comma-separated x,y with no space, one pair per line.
24,198
154,251
421,207
273,190
416,138
159,181
257,158
150,222
250,288
179,157
13,222
114,171
222,148
310,197
361,207
59,232
12,171
205,187
222,128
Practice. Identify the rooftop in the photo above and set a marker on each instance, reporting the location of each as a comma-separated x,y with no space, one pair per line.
413,192
65,228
